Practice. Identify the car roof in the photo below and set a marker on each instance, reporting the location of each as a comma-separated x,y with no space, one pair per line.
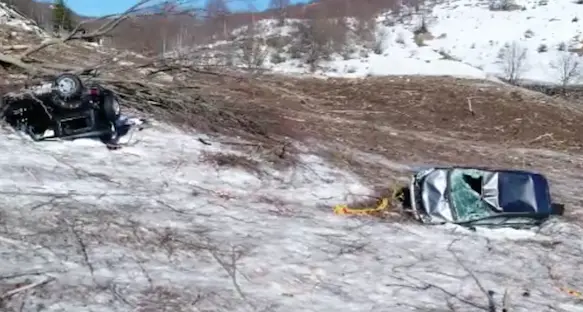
484,168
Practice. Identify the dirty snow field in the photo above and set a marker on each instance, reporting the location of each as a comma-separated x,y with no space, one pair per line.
152,228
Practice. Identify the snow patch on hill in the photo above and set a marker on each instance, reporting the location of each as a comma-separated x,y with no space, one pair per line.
465,39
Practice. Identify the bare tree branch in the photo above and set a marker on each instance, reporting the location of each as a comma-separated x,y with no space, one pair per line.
13,292
512,58
568,67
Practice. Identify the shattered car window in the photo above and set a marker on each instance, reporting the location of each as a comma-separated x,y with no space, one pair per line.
466,195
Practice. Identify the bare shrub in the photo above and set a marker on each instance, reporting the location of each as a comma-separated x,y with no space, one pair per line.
339,34
503,5
218,12
400,38
277,58
254,49
365,30
316,40
278,42
295,52
568,68
419,40
348,52
423,27
389,20
380,41
512,59
447,56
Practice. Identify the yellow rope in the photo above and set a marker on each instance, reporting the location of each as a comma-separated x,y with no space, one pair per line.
383,205
572,292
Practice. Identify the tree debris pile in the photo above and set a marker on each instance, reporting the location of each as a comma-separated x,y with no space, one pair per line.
183,105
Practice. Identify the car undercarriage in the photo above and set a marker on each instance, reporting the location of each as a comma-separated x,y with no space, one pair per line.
66,110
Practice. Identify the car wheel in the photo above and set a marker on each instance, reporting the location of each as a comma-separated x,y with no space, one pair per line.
67,87
111,107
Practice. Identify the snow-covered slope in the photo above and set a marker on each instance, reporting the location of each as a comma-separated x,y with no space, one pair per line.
152,227
465,40
475,35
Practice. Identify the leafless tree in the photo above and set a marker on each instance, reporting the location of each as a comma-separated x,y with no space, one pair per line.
280,6
316,40
512,58
164,27
380,41
181,41
503,5
568,67
365,29
253,48
218,11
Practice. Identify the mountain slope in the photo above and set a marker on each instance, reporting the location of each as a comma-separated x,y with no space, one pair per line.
464,38
179,220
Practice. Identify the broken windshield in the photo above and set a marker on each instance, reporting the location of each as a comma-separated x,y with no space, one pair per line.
466,195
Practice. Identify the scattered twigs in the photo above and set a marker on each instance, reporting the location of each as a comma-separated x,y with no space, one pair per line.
15,291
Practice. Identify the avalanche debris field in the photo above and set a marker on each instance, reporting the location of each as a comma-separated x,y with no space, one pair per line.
171,224
225,203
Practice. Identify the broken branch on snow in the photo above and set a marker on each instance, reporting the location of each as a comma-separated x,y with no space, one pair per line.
15,291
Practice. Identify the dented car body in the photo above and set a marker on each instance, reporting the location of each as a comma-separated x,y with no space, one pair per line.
481,196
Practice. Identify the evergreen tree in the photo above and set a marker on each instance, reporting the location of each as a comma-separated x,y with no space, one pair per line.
62,16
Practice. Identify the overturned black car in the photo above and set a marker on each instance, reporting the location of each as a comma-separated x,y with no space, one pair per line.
66,110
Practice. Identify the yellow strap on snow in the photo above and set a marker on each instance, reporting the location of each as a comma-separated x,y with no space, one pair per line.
383,205
345,210
572,292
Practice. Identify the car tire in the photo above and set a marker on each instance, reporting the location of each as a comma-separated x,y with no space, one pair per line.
111,107
67,87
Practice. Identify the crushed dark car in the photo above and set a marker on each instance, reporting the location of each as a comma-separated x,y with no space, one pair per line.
481,196
67,109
